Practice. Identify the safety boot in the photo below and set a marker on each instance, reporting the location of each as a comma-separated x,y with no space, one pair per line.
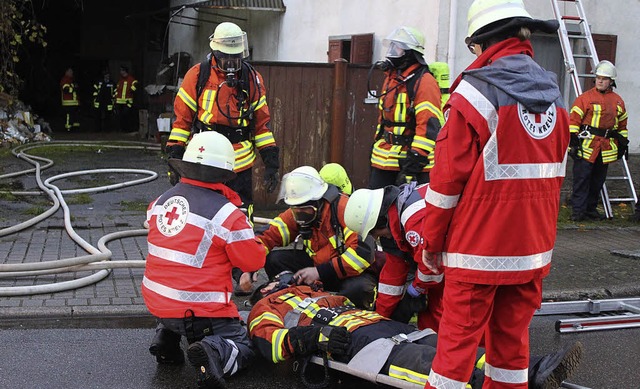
166,347
594,215
208,367
553,369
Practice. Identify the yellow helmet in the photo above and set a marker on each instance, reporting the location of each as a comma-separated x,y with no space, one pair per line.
605,68
334,173
228,38
363,210
484,12
303,184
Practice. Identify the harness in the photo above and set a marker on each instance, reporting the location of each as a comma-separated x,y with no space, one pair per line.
587,131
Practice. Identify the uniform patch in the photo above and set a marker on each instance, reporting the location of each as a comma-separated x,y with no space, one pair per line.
413,238
173,217
538,125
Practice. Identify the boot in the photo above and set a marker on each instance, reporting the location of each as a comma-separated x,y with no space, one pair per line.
166,347
553,369
208,367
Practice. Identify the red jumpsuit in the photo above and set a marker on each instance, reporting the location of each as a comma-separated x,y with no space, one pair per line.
492,207
405,222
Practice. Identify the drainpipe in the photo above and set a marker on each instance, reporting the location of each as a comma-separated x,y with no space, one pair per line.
453,37
338,111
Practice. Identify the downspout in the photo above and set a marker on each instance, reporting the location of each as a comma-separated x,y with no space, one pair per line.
453,36
338,111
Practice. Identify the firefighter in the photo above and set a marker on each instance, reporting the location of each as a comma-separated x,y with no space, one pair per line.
104,93
125,99
293,321
598,125
410,115
69,99
494,197
227,95
396,213
196,235
324,249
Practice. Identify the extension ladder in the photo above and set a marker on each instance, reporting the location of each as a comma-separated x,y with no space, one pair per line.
596,314
579,19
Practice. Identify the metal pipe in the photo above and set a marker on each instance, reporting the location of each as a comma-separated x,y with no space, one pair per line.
338,111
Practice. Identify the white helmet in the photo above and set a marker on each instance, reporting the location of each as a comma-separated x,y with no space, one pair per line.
606,69
209,157
228,38
484,12
404,38
363,210
303,184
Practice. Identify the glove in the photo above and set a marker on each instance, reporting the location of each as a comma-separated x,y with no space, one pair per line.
402,178
174,150
574,147
623,147
271,160
409,306
305,340
413,163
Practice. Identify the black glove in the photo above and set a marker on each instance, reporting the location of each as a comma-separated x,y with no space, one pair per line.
409,306
413,163
176,151
623,147
271,160
305,340
574,147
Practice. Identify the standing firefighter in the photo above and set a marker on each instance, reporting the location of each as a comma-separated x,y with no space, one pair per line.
104,92
196,235
409,116
125,99
494,198
598,125
227,95
69,99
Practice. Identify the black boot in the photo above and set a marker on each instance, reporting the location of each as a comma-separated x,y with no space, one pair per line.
207,363
554,368
166,347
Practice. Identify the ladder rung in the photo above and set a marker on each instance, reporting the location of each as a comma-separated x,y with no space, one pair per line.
623,200
578,18
583,56
571,36
587,75
618,178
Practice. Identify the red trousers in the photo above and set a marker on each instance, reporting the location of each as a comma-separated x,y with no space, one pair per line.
500,313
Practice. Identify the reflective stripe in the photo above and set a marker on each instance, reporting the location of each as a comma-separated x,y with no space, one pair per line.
277,345
354,260
391,290
441,382
506,375
493,170
171,255
231,367
265,316
430,277
480,362
497,263
411,210
404,374
283,229
185,295
186,99
441,200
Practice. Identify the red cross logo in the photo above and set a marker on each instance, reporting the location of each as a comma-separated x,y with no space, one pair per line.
173,215
537,117
201,149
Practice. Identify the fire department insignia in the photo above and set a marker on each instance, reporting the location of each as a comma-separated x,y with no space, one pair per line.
172,217
538,125
413,238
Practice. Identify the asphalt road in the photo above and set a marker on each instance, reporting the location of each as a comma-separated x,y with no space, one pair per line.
35,357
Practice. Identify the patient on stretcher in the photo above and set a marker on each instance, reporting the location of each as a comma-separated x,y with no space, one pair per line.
297,321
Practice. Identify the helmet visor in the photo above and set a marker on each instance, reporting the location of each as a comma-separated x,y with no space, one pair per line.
396,50
304,214
228,63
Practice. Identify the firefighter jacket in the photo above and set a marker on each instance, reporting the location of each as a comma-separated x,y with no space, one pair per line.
407,119
217,108
196,236
493,199
272,317
600,110
405,217
125,90
104,93
337,252
69,92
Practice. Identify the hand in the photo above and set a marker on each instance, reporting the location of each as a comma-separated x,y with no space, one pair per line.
334,340
247,280
306,340
413,163
433,261
173,175
573,152
307,276
175,150
271,179
409,306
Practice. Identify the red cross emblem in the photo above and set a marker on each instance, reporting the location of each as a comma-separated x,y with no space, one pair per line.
173,215
201,149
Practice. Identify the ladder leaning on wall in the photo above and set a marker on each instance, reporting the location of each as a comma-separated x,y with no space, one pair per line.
580,20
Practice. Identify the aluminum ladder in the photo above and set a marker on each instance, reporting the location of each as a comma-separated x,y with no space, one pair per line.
579,20
596,314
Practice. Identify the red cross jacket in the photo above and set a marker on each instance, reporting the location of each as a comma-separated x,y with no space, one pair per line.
196,236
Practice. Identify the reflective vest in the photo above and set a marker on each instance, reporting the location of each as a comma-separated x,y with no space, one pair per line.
216,96
407,118
103,95
271,318
125,90
195,238
68,92
494,195
605,111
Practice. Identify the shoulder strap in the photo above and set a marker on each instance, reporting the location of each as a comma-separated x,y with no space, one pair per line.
203,77
332,195
413,82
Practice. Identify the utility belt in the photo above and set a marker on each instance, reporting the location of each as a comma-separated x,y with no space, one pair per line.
324,316
586,131
401,140
235,135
